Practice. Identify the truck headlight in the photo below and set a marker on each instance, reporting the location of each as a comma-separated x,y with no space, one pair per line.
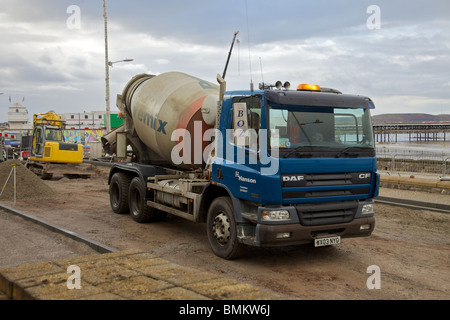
367,208
275,215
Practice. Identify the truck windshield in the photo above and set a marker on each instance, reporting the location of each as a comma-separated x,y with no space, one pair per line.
306,131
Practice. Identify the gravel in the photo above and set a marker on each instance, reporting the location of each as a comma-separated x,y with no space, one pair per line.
28,185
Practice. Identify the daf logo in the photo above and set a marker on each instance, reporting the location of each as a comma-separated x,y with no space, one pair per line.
364,175
293,178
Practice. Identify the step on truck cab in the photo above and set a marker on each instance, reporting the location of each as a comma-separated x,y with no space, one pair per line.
268,167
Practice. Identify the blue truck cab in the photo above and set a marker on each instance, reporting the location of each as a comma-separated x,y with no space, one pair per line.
299,167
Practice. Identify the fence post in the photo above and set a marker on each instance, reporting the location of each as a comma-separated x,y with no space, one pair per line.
444,171
393,163
15,192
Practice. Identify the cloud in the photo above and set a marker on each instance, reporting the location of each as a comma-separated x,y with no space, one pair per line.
414,104
402,66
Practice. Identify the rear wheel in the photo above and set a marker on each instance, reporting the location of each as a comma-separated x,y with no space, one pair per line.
222,230
138,209
118,192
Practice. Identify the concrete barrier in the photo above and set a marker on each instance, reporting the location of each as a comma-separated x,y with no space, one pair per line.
432,184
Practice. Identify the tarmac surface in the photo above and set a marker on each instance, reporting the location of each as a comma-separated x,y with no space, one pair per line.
135,275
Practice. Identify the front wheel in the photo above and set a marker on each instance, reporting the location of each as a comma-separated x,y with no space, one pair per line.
222,230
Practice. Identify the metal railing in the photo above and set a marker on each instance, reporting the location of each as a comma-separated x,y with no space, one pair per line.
414,162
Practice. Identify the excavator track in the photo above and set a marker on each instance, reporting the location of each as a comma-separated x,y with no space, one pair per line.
72,171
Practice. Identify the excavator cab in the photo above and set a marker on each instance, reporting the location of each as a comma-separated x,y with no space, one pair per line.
43,134
48,143
50,153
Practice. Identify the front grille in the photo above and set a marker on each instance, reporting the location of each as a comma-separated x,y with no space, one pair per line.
325,193
316,214
325,184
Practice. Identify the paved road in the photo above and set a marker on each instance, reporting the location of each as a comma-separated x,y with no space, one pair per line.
23,242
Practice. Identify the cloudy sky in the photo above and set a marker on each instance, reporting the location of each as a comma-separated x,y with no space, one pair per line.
53,51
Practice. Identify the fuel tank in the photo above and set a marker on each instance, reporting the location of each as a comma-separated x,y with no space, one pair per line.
161,104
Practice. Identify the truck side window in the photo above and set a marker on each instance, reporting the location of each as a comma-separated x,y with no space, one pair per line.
255,121
248,138
254,127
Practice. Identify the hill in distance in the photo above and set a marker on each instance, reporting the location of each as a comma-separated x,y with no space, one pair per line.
410,118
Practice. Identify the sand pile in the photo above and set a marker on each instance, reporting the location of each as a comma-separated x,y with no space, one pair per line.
28,185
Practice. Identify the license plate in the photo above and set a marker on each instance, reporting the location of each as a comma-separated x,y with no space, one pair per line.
327,241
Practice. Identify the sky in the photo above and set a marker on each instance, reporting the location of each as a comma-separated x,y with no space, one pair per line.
395,52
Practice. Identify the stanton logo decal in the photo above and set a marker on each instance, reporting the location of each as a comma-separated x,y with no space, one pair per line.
293,178
243,179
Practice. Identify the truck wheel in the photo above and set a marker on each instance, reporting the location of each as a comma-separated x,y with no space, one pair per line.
222,231
118,192
138,209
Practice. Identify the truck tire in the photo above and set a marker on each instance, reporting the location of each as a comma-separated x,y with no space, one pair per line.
222,230
118,192
140,212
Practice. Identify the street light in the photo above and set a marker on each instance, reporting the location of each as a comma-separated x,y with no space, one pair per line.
108,103
126,60
107,65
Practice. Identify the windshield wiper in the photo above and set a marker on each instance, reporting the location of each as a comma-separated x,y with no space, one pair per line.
313,122
345,152
297,149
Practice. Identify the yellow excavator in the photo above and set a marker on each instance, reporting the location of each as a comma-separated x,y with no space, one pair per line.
50,154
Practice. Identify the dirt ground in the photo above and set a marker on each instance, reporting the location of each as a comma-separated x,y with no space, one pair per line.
410,247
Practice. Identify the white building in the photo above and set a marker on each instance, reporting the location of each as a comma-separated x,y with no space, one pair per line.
18,117
85,120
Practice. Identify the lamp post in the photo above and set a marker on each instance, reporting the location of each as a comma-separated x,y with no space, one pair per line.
107,65
108,107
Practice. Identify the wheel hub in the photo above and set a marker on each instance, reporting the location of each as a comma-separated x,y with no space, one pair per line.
221,228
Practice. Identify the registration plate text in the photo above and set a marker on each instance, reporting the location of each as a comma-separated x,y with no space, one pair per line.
327,241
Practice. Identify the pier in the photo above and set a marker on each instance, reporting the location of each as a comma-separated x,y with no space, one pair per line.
416,132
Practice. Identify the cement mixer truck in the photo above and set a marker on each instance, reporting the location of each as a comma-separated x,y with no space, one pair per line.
268,167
